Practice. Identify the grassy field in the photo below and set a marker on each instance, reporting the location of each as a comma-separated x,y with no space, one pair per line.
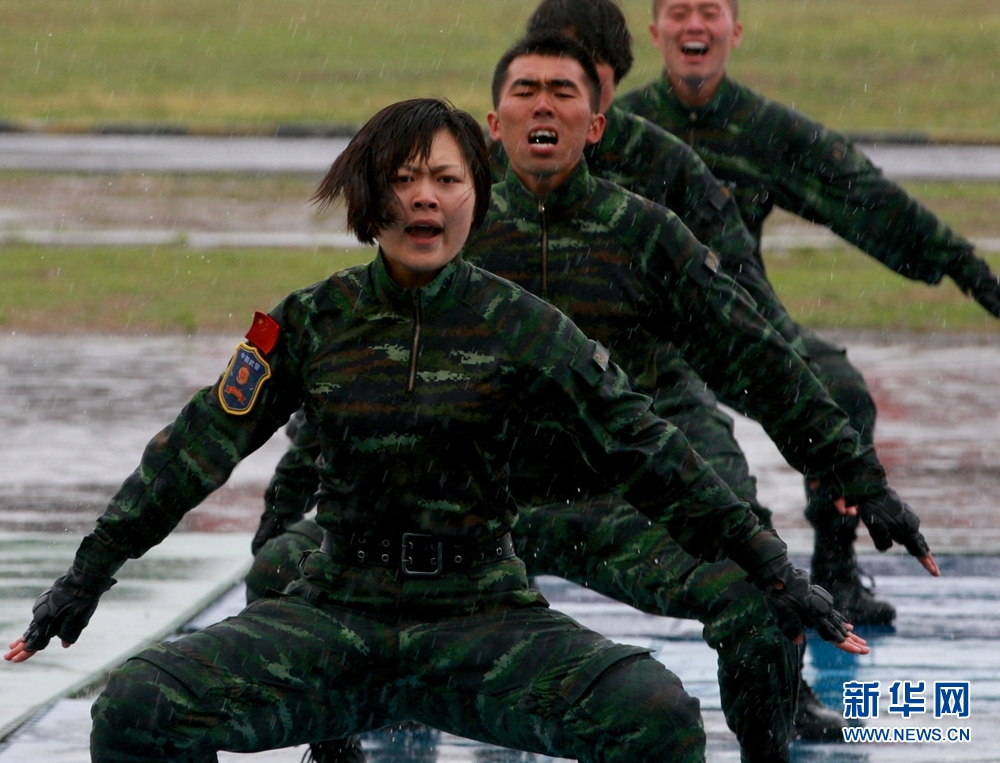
173,290
151,290
921,65
970,208
844,289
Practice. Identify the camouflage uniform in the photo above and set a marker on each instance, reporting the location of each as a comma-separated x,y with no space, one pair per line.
610,258
418,398
651,162
771,155
600,254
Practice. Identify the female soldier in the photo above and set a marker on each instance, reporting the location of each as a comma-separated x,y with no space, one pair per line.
416,369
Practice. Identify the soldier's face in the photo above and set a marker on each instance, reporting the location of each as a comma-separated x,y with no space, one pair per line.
437,201
545,119
695,37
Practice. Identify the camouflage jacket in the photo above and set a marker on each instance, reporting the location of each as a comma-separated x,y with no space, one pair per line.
650,162
774,156
633,277
417,397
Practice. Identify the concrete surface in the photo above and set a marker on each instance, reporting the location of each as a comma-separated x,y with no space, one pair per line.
176,153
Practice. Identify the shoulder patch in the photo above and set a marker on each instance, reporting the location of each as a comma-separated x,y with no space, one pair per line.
601,356
591,361
712,261
243,380
701,268
264,332
718,197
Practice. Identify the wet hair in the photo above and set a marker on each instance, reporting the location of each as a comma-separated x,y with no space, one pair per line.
599,25
365,172
734,6
554,46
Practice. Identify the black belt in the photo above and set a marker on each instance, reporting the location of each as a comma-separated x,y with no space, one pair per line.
417,555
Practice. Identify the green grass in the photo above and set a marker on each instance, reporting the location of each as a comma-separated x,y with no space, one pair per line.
925,65
152,290
174,290
843,288
970,208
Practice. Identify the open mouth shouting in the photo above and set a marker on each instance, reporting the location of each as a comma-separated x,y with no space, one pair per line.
423,231
697,49
543,137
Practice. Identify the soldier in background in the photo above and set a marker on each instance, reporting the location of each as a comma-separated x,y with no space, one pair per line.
771,155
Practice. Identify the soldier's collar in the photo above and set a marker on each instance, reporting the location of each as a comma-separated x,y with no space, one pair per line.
721,102
565,200
443,291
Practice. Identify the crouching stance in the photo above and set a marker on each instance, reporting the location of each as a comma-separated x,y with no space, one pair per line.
417,370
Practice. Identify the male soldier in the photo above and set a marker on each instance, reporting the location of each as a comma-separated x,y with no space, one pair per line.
645,159
628,269
773,156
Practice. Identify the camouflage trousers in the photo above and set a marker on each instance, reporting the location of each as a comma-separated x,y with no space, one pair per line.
303,668
611,548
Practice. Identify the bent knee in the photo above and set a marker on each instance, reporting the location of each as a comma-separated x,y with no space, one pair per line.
644,710
133,715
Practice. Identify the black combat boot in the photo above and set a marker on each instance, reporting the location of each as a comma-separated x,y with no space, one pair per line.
335,751
835,565
815,722
835,568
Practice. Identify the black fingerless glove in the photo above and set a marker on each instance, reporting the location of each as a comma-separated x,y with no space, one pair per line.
974,277
889,519
65,609
795,603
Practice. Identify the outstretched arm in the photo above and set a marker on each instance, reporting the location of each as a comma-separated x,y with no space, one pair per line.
748,363
649,462
180,466
824,178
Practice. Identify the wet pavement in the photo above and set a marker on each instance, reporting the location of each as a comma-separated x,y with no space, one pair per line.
173,153
154,596
76,413
202,192
166,153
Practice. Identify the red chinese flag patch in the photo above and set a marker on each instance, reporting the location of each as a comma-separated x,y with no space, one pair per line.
263,334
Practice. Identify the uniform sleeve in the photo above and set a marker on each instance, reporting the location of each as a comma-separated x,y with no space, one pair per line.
822,177
710,212
292,489
744,360
643,458
192,457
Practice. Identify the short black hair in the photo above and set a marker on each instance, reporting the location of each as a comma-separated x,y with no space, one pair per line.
363,174
556,46
734,6
599,25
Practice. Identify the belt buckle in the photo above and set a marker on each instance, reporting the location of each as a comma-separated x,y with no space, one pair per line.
411,544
